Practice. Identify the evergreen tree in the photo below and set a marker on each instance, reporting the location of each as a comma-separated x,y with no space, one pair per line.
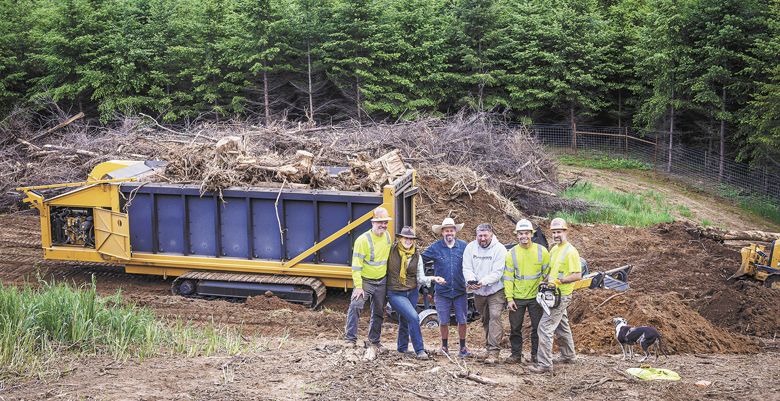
65,38
351,47
720,34
662,65
13,44
761,116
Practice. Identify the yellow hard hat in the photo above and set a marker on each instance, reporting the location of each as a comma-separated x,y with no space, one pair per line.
558,224
381,214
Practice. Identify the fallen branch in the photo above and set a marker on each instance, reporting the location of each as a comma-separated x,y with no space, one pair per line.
598,383
473,377
529,189
609,299
424,397
81,152
28,144
734,235
58,126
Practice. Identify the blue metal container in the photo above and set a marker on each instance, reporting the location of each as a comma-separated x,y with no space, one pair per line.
246,223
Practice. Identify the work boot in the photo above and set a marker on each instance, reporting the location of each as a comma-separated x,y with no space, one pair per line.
567,361
350,344
514,358
539,369
491,358
422,356
380,349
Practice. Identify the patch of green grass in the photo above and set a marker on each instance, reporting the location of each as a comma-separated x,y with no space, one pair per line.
684,211
610,207
38,325
759,205
706,223
603,162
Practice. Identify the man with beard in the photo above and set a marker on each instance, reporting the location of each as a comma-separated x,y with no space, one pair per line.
565,270
483,267
447,257
369,279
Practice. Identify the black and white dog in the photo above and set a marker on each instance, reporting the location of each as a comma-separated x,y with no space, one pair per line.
645,336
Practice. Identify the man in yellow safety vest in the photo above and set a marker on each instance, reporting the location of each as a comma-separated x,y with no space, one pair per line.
524,266
369,278
565,270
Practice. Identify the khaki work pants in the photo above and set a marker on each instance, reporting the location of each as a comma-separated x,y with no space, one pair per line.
556,323
490,308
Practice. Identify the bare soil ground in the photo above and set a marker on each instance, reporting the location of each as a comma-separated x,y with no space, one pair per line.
721,213
714,331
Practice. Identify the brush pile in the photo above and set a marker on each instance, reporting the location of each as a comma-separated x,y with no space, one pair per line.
466,153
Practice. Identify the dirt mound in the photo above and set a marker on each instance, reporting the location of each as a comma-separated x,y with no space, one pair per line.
683,329
450,197
744,307
668,258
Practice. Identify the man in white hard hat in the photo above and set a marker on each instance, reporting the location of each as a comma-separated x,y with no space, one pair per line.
524,267
565,270
483,267
447,257
369,278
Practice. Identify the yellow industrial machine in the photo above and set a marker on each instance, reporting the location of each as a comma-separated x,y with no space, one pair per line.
760,265
242,242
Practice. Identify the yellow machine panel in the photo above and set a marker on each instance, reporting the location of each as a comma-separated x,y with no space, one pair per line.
112,233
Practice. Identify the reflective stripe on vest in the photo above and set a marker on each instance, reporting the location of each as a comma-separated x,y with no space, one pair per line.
371,247
518,276
562,258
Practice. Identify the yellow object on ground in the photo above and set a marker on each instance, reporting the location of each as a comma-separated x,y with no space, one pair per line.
653,374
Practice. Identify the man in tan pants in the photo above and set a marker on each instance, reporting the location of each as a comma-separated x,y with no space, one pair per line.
483,266
565,269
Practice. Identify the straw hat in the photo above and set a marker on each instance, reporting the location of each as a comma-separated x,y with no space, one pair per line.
447,222
407,232
381,214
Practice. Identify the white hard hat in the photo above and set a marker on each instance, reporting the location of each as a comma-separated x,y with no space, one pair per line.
524,225
558,224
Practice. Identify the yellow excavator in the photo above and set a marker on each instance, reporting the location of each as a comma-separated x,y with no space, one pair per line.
761,263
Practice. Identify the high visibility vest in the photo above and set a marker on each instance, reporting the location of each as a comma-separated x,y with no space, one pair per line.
369,257
564,260
524,269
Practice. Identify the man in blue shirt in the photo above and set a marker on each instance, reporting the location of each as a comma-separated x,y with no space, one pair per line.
447,257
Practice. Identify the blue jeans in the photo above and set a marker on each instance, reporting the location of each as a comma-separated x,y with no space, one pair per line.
405,304
445,305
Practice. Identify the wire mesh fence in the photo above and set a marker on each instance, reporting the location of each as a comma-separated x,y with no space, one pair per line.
699,167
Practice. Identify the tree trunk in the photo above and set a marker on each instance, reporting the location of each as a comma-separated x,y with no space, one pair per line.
671,135
310,114
620,108
265,98
357,97
573,123
722,136
481,85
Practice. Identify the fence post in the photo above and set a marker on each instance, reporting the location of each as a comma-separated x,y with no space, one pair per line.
574,135
625,134
655,156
